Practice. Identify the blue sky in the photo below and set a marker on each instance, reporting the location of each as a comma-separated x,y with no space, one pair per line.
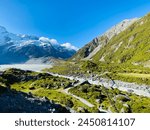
74,21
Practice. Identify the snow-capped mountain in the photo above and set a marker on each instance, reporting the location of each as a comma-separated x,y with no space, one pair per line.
16,48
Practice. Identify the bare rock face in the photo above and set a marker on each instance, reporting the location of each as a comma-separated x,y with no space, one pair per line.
115,30
102,40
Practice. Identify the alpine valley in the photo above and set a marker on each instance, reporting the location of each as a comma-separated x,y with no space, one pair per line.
109,74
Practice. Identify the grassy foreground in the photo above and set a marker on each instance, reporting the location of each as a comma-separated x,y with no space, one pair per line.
46,85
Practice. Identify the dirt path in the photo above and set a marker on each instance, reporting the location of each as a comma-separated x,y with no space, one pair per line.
77,97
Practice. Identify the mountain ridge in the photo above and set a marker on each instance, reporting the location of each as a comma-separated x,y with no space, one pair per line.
92,47
18,48
130,46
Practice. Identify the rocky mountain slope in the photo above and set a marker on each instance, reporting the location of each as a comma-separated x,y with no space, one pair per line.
130,46
20,48
126,43
96,44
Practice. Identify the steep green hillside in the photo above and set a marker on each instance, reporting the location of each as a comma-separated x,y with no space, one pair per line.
123,52
124,43
96,44
130,46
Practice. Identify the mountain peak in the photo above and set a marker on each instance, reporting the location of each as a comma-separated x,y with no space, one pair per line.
2,29
90,49
115,30
18,48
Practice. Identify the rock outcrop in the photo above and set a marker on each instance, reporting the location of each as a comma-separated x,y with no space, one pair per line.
90,49
18,102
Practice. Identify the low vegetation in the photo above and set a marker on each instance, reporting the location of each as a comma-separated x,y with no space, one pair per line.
113,100
46,85
123,72
42,85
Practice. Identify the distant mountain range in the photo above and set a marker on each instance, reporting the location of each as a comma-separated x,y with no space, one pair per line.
16,48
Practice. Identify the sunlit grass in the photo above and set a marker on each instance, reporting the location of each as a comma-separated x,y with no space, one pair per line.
135,75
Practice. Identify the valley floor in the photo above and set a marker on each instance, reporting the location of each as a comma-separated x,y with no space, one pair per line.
142,90
31,67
